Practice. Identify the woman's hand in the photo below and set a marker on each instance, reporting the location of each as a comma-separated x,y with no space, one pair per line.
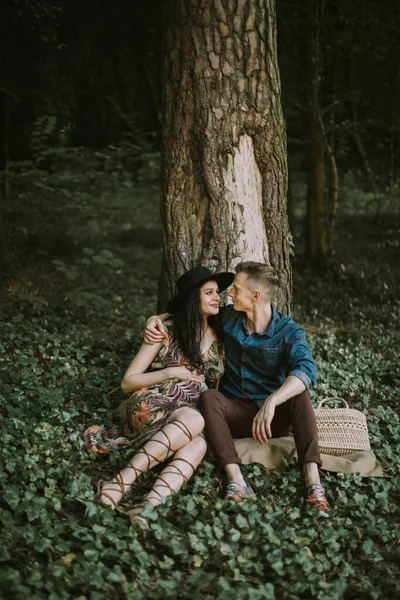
154,331
184,374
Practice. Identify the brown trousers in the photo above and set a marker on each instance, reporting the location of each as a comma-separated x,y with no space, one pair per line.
228,419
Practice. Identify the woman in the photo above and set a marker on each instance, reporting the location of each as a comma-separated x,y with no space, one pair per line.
161,412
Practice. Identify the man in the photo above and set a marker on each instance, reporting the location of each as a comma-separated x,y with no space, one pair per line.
264,390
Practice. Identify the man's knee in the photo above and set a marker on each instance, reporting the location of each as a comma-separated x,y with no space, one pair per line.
301,401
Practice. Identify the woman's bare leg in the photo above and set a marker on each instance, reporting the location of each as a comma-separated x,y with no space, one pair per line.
178,471
175,474
184,425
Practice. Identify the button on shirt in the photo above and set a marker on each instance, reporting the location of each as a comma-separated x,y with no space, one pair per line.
257,364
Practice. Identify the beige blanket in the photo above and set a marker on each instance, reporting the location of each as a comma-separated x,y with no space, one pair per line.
272,453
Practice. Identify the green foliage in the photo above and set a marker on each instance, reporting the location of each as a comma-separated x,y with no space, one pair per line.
42,129
356,201
61,361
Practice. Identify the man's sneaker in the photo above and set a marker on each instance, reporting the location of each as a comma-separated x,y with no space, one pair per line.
316,499
236,492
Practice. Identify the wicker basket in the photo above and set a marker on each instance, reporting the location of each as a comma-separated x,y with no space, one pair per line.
341,430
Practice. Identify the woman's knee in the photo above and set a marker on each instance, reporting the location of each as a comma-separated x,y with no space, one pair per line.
199,446
191,418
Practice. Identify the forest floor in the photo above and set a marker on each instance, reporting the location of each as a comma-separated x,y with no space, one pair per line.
87,257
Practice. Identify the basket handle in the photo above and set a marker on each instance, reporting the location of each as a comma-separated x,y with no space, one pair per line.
336,399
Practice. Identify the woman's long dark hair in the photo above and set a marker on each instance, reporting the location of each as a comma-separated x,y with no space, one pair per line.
188,328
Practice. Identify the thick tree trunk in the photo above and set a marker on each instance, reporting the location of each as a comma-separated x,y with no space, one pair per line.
224,141
316,220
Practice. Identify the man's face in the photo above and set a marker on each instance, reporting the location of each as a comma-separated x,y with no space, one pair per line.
241,294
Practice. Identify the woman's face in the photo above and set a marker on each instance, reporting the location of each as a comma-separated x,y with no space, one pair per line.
209,298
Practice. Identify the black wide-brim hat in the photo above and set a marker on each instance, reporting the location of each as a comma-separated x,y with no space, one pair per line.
195,278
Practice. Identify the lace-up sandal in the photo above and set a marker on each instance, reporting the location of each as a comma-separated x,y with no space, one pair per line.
135,514
166,445
173,470
118,487
315,498
237,492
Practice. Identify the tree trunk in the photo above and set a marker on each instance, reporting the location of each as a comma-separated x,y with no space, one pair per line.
4,143
224,142
355,132
333,196
316,224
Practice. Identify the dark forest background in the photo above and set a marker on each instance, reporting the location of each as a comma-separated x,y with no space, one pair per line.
80,251
83,82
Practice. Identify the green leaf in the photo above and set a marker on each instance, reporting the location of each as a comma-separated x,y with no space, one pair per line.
11,496
4,554
101,260
117,263
106,253
368,546
241,522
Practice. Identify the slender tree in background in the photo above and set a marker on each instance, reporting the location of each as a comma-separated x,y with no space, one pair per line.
322,175
317,239
224,141
5,259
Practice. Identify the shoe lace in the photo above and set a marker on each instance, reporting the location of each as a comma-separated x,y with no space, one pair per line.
232,490
317,496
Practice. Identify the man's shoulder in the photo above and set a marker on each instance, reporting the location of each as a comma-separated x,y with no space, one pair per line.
229,314
286,324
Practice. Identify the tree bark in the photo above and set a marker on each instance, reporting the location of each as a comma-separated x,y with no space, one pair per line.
224,161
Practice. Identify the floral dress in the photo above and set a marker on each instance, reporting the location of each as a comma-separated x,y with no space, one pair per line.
147,410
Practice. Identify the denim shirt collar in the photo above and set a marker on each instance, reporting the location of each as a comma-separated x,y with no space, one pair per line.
269,332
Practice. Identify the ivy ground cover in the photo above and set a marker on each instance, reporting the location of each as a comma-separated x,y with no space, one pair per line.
71,319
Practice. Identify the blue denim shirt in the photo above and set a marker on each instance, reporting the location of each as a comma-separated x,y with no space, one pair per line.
257,364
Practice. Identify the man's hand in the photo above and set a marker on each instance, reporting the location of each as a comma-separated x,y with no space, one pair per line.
261,429
154,331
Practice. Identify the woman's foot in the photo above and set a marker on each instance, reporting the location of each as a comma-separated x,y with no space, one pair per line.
135,514
111,492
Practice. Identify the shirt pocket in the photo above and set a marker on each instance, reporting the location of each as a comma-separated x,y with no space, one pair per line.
268,361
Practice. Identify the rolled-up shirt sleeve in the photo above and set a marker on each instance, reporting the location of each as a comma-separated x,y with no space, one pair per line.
300,362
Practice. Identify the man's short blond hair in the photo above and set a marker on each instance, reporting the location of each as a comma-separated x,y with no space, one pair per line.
260,275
